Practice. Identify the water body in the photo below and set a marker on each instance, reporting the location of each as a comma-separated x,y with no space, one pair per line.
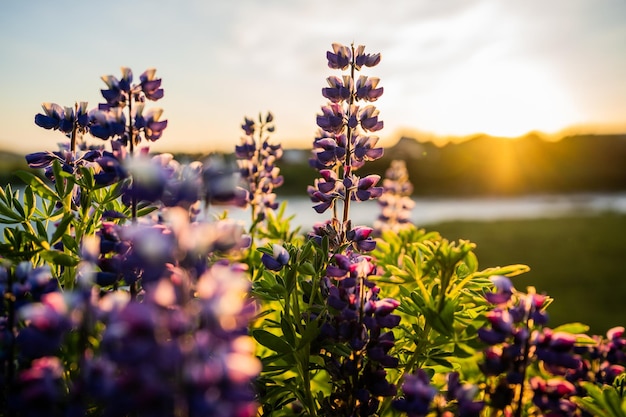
428,211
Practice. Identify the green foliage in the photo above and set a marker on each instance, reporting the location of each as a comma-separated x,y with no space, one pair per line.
605,401
47,223
576,259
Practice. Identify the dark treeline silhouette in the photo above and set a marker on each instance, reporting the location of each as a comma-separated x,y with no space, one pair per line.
479,166
485,165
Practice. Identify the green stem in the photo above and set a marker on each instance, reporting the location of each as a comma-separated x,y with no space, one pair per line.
410,365
446,276
9,365
302,356
526,356
348,158
133,202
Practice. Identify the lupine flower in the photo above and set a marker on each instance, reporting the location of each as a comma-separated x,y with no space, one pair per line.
256,159
552,396
325,190
361,238
340,57
150,85
327,151
556,350
365,187
277,260
464,395
363,59
365,150
69,160
40,387
220,184
107,124
339,89
504,290
418,395
366,88
183,187
248,127
395,202
368,118
110,170
332,118
185,346
359,323
149,178
53,117
108,121
341,146
64,119
149,122
46,326
118,90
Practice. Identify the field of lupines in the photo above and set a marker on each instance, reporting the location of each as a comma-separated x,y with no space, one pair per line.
123,296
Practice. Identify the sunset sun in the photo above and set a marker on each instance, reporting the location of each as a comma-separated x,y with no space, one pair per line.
504,99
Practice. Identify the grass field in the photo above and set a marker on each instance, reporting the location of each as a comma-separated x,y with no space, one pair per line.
580,261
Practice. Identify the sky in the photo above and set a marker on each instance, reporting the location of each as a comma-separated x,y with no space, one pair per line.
448,67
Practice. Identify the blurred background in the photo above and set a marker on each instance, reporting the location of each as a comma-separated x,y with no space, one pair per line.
511,116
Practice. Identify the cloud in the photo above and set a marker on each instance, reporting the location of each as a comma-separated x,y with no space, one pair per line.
223,60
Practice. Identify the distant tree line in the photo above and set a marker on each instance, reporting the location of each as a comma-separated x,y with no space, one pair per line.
486,165
479,166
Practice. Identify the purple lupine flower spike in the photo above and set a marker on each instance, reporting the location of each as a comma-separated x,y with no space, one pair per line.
257,158
278,259
340,57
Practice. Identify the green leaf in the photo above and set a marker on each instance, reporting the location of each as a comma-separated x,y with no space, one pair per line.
271,341
462,350
613,401
37,184
471,261
61,228
509,271
70,243
17,206
572,328
306,268
144,211
29,201
59,258
11,217
41,229
311,331
590,406
288,332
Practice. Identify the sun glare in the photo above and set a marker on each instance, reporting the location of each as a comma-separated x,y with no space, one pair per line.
504,100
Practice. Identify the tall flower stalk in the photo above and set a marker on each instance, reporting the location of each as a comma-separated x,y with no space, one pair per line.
344,142
123,117
357,319
256,158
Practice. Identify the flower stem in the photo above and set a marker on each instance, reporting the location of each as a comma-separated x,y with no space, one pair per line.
9,361
347,171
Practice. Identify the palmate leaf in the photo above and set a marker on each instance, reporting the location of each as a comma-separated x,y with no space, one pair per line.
601,402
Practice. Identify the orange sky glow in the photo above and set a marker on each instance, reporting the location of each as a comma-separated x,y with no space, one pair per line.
449,68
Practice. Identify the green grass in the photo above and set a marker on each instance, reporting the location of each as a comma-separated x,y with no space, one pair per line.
580,261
